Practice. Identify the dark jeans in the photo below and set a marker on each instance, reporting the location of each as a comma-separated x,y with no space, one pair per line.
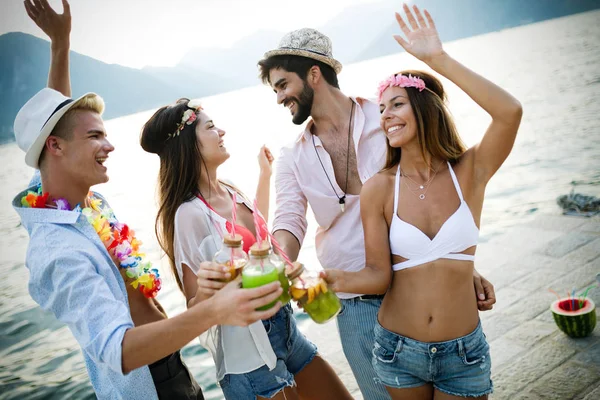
173,380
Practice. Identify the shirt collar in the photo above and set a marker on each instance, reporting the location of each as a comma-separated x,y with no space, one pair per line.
47,215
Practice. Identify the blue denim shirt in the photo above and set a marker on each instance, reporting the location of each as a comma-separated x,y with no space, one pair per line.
72,275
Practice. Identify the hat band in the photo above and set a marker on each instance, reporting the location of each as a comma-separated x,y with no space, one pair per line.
61,105
310,51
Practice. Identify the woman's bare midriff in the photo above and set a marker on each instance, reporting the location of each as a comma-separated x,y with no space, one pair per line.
433,302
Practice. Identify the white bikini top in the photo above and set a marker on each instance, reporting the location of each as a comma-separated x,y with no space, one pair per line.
457,234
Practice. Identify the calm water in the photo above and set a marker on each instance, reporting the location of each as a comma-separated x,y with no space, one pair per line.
552,67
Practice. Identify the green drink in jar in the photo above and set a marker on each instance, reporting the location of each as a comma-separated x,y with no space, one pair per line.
260,270
314,295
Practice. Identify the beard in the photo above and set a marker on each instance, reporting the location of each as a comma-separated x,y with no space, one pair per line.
304,103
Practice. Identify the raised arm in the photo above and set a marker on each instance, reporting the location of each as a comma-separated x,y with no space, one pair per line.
376,276
263,189
423,42
58,28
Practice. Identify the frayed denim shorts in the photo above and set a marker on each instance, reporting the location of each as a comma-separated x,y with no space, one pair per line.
459,367
293,351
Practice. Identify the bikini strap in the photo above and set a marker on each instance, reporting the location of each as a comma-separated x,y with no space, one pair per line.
205,202
397,189
456,185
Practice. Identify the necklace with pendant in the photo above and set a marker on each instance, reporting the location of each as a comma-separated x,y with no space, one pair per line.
342,199
421,186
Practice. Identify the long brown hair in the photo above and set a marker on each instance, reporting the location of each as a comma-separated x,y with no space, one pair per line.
436,132
181,164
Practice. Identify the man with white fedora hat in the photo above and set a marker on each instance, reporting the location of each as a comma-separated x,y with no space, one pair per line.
341,147
84,265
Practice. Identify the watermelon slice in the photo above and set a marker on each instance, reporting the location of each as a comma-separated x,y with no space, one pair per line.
575,317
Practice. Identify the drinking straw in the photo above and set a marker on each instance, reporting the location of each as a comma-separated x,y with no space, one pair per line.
280,250
257,223
573,300
582,299
274,241
233,213
556,294
257,229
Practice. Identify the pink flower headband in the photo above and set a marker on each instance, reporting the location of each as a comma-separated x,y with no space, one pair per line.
402,81
188,118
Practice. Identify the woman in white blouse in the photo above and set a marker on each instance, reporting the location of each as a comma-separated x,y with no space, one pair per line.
269,358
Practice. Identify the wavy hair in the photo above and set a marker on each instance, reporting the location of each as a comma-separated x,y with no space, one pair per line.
436,131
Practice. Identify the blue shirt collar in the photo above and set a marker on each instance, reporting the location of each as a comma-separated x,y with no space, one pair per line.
47,215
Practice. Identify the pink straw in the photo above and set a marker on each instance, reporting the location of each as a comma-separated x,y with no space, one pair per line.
552,291
233,213
274,241
256,216
257,227
280,250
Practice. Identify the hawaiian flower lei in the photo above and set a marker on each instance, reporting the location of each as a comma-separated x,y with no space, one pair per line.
188,118
118,238
402,81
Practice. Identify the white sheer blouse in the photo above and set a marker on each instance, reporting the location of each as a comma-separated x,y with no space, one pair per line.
235,350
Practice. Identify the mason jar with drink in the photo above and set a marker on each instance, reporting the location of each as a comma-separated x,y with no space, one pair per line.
262,268
313,294
231,255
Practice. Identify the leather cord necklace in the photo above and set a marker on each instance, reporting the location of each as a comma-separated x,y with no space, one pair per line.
341,200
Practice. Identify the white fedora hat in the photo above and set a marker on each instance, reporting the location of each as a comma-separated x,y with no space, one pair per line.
310,43
36,120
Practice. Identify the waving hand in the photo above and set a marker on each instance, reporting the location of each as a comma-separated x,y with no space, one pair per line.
58,28
422,39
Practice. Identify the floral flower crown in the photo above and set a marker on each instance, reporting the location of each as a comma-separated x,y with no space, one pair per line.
188,118
402,81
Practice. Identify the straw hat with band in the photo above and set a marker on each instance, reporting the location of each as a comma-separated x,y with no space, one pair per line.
307,42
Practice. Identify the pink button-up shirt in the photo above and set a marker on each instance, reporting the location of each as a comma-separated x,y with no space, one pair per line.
300,180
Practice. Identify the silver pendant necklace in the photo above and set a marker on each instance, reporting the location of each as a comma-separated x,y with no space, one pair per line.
421,186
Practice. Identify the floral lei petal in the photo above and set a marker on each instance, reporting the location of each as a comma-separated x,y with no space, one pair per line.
118,239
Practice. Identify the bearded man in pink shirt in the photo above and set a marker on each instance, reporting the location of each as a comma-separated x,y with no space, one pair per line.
341,147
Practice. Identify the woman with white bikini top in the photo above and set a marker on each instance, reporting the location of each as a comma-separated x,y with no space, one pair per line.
420,216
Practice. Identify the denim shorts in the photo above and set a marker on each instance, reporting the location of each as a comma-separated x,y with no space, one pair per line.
293,351
459,367
355,323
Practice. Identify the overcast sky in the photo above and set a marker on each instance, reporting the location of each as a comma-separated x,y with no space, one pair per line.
136,33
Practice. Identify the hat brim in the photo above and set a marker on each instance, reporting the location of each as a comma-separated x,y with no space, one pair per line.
333,63
34,152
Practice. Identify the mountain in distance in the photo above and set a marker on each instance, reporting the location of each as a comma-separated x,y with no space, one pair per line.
358,33
364,31
464,18
24,71
238,62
